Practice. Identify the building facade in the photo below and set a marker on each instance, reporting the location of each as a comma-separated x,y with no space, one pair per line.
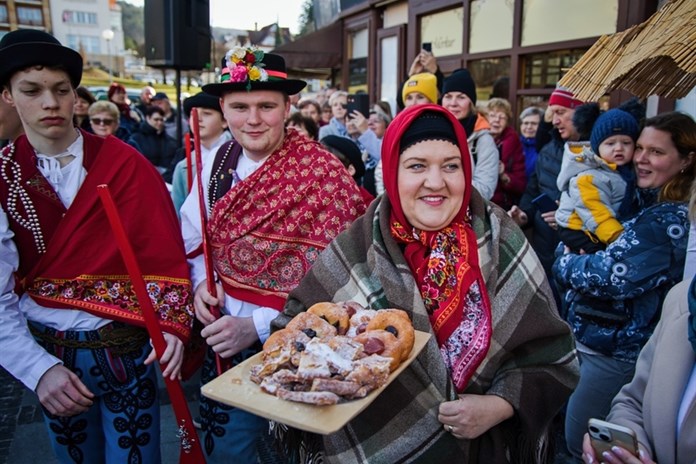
24,14
515,49
92,27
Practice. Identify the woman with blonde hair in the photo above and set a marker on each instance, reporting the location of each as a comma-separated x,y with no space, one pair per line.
104,120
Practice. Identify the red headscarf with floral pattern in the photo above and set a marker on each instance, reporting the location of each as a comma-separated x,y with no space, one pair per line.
444,262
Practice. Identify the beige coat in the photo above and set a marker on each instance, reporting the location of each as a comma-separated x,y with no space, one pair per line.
649,404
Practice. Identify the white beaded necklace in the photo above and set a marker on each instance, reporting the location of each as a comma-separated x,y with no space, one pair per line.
11,174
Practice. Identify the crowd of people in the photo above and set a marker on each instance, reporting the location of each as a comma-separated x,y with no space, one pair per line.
546,262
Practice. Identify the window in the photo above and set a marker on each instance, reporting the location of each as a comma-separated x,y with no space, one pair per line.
29,16
445,31
547,21
487,74
544,70
357,64
90,44
490,25
79,17
3,14
390,71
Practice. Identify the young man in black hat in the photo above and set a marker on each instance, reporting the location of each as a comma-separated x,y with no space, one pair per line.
213,133
70,326
276,199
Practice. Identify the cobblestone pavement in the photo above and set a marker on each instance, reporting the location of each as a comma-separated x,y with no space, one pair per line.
23,437
10,400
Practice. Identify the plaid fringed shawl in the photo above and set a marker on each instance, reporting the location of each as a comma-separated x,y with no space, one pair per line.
531,362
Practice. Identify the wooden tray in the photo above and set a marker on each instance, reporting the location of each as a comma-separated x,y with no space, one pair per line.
234,388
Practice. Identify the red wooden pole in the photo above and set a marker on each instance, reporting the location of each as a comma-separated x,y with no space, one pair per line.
189,167
191,451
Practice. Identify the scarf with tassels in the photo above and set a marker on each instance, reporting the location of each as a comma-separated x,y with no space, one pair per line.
445,264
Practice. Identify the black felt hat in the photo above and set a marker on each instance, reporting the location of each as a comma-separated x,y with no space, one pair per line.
349,149
24,48
255,71
201,100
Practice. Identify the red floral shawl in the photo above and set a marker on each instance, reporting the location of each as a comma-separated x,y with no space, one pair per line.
81,266
267,231
445,262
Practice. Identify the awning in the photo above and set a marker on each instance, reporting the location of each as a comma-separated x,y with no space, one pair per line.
657,57
315,53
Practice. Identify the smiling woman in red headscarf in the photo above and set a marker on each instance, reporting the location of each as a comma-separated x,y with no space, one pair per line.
500,363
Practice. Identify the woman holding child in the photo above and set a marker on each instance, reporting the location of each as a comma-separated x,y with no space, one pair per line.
614,296
500,362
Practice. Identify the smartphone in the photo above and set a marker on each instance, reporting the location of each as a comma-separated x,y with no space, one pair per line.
604,435
359,102
544,203
428,47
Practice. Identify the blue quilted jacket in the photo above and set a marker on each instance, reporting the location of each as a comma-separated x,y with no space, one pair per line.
614,297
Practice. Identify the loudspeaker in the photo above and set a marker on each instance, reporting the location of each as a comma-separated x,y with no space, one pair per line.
177,33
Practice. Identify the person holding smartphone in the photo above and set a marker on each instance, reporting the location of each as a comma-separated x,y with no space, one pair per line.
659,404
614,297
424,62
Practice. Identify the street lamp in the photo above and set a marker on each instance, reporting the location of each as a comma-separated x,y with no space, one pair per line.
108,35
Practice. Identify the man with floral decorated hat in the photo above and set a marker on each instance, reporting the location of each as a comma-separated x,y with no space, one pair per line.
275,200
71,328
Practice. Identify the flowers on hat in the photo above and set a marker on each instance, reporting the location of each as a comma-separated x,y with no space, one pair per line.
244,65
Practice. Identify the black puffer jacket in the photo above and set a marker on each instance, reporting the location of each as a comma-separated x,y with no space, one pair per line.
158,148
543,180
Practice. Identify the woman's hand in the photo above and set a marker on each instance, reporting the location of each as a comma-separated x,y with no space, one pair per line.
473,415
428,61
360,122
504,178
519,216
423,62
617,455
549,218
202,299
173,357
416,66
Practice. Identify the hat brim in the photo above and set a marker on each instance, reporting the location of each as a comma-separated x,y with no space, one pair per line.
288,86
24,55
202,100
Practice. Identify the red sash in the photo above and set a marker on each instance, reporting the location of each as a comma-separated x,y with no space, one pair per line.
267,231
80,266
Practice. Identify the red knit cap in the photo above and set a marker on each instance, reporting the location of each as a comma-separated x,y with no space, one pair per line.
564,97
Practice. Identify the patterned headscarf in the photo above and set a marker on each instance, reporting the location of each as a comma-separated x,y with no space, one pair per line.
445,262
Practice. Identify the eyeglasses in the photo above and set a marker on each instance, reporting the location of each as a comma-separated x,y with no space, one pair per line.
101,122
